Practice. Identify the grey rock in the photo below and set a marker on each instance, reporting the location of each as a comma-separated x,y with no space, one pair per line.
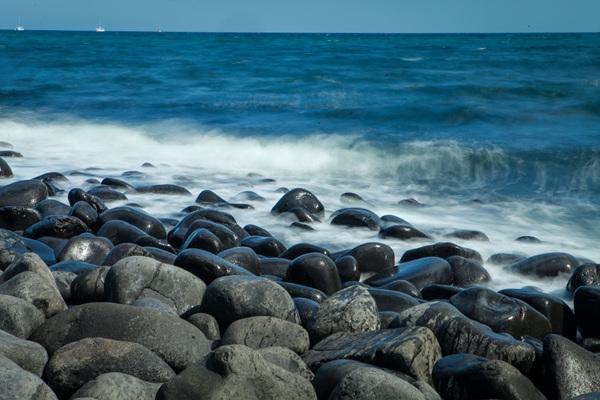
154,303
286,359
117,386
28,355
91,250
259,332
207,324
176,341
79,362
18,383
236,372
88,287
136,277
412,351
35,289
19,317
350,310
63,280
12,247
27,262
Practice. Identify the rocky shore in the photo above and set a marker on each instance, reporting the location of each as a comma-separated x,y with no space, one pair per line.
113,303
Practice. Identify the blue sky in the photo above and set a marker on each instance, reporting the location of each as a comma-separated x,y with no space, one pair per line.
307,15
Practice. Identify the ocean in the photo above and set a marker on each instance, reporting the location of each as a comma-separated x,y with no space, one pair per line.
498,133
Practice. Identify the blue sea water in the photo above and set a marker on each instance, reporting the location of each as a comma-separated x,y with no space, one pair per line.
498,132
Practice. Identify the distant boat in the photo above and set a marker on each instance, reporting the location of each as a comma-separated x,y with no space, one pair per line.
100,28
158,30
19,28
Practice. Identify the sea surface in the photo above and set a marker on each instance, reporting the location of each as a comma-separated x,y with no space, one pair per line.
499,133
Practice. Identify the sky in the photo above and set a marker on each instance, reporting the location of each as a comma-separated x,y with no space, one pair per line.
403,16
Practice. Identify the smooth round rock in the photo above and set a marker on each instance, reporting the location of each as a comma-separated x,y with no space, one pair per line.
207,266
18,383
17,218
203,239
402,232
63,227
587,310
19,317
356,218
86,213
245,257
420,272
23,193
545,265
92,250
374,384
118,232
5,170
442,250
467,234
28,355
265,246
585,275
207,324
78,194
372,257
348,268
467,272
117,386
37,290
299,198
315,270
300,249
137,218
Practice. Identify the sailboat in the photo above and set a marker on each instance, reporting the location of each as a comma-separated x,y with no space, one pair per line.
19,27
100,28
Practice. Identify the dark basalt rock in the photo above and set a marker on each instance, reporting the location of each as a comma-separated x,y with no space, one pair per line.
107,193
559,314
52,207
300,249
587,310
248,195
299,214
274,266
236,372
134,174
420,272
528,239
161,255
86,213
458,334
505,259
442,250
348,269
352,198
124,250
176,341
166,189
297,290
372,257
45,252
586,274
12,247
402,232
137,218
261,332
18,218
203,239
10,154
254,230
315,270
23,193
236,297
207,266
393,220
546,265
412,351
178,234
77,194
467,376
88,286
151,241
404,287
73,266
501,313
118,232
468,272
116,183
91,250
265,246
411,203
227,236
5,170
466,234
391,300
211,198
63,227
301,226
245,257
356,218
571,371
307,309
299,198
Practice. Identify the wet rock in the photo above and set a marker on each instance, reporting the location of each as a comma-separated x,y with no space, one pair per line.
297,290
410,202
18,383
350,310
27,262
467,376
231,298
76,267
63,282
300,249
586,274
10,154
501,313
70,367
315,270
438,291
23,193
420,272
299,198
125,250
207,266
265,246
207,324
402,232
19,317
404,287
5,170
137,218
107,194
118,232
254,230
203,239
458,334
164,189
351,198
12,247
133,278
587,310
117,386
356,218
248,195
545,265
227,236
466,234
307,309
92,250
178,234
570,370
391,300
260,332
18,218
372,257
560,315
245,257
528,239
348,268
442,250
176,341
86,213
116,183
26,354
274,266
45,252
78,194
412,351
467,272
63,227
37,290
236,372
504,259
